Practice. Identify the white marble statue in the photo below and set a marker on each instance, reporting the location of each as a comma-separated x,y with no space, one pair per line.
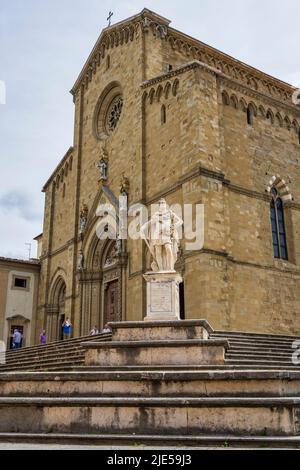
162,238
103,168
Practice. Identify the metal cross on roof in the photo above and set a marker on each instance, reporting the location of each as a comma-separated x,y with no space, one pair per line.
110,15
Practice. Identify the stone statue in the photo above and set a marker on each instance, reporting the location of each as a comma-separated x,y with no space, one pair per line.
118,246
162,238
102,165
124,185
161,31
83,219
80,261
103,168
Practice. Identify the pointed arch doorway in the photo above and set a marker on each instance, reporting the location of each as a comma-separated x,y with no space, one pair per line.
111,285
56,311
102,285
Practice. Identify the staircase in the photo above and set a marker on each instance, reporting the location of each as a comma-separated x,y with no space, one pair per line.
252,400
259,350
59,355
246,350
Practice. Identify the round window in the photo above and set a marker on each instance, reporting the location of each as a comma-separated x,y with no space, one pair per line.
108,111
113,114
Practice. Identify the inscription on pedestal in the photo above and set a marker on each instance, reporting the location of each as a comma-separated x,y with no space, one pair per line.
161,297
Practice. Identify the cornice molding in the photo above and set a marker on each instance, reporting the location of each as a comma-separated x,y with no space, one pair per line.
194,173
58,168
256,94
231,67
58,250
215,60
232,83
178,71
249,192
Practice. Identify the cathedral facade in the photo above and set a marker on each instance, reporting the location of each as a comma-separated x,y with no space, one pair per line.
159,114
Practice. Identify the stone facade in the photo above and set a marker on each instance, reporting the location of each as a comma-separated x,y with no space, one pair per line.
168,116
19,282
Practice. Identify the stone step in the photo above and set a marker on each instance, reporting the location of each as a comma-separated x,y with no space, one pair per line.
260,362
197,384
58,360
249,339
45,365
266,336
35,357
161,330
58,345
254,343
250,343
177,416
261,355
225,366
41,357
264,357
178,442
260,349
167,352
66,353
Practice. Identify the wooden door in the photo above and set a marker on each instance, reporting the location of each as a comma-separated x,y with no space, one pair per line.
111,310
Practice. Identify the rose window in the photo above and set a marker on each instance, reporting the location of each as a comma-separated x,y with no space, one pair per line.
113,114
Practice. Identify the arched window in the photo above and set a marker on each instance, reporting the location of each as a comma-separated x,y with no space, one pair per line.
278,226
250,115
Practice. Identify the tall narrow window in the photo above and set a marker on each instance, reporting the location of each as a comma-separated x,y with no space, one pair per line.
163,114
278,227
250,116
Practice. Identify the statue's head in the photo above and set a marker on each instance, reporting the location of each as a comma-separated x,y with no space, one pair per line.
162,205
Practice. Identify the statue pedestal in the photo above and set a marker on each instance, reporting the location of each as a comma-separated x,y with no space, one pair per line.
163,295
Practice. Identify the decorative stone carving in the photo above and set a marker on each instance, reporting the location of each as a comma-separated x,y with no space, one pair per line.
124,185
83,219
112,256
161,31
114,113
162,238
147,23
111,275
96,263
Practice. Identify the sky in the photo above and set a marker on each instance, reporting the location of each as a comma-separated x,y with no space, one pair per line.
43,47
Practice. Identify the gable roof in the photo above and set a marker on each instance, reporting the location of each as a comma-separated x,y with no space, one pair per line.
194,49
145,13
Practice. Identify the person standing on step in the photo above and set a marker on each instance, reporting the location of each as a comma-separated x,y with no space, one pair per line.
43,338
94,331
17,339
107,329
67,328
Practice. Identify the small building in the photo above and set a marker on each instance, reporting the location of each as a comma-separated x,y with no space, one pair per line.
19,282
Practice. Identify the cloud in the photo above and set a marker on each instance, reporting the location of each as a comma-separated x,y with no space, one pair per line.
14,233
21,204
